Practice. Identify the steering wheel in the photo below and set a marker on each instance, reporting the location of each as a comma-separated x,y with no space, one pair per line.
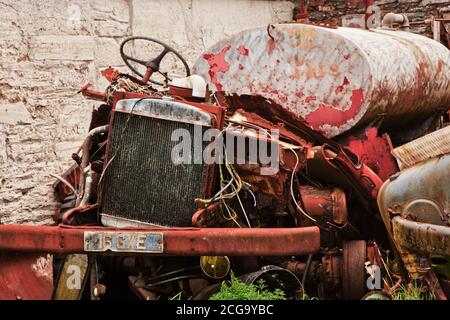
152,65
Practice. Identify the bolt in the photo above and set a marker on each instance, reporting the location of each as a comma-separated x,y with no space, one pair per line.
99,290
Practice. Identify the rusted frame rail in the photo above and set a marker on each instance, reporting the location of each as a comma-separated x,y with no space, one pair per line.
177,241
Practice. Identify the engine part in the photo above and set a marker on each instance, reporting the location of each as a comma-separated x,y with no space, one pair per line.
329,165
353,269
390,19
141,146
142,293
82,215
326,205
420,193
275,277
335,79
331,271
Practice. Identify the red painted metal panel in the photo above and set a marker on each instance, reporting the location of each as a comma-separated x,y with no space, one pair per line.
25,276
177,241
374,151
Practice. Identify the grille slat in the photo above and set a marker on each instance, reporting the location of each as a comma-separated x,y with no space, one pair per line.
142,183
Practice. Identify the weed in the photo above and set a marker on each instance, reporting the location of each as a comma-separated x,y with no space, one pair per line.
238,290
411,291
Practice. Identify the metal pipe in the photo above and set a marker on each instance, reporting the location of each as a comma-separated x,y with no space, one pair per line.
369,12
395,18
67,183
68,216
87,188
177,241
302,10
85,157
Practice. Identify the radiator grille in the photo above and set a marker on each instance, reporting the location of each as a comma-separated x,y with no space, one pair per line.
142,183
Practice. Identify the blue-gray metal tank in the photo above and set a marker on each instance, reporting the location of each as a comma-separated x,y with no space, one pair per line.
420,193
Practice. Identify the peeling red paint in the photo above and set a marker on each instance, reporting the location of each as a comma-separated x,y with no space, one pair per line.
299,94
310,98
326,114
241,67
375,151
340,88
217,64
242,50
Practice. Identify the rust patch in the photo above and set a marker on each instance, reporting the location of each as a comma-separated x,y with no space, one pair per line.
242,50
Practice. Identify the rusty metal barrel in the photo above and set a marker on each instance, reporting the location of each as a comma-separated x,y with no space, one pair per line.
335,78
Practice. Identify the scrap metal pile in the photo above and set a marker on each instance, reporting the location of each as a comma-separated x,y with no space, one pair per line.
302,125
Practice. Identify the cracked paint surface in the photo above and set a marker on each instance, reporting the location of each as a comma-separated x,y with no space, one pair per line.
335,79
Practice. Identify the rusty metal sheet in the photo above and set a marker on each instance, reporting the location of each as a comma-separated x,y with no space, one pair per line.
429,146
337,78
374,151
421,237
26,276
177,241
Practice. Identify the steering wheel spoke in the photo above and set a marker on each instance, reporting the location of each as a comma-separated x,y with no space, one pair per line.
135,60
154,63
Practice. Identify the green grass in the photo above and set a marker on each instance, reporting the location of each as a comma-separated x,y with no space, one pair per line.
411,291
237,290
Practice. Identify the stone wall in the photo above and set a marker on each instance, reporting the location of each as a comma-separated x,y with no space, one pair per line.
49,49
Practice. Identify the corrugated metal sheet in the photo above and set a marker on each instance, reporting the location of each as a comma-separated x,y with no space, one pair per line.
429,146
